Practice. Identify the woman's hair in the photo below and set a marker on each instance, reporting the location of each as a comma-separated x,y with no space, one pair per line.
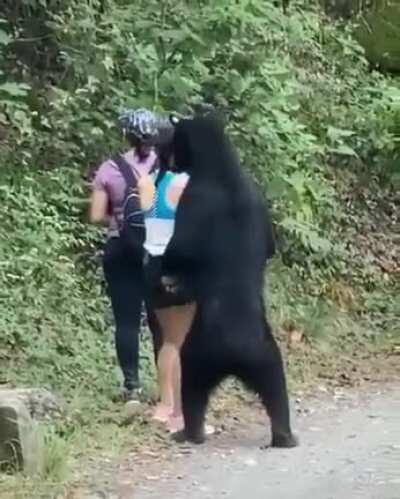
164,144
164,152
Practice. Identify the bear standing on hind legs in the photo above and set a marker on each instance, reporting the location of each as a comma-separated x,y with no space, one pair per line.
218,253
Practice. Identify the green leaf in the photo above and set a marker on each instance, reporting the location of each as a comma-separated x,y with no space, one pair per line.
297,180
277,187
5,39
334,134
15,89
344,150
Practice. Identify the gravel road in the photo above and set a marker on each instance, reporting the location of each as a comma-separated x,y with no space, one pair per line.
350,448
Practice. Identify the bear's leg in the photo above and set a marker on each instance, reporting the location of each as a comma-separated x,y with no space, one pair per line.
199,378
263,372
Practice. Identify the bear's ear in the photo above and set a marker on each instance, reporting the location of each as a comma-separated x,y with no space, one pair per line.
204,109
173,119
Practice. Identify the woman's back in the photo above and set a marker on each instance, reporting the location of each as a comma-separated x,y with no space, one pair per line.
109,179
160,218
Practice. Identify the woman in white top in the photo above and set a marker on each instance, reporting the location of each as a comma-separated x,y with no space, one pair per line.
160,194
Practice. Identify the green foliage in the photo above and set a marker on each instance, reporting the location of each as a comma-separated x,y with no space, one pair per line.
379,31
303,107
316,127
296,90
52,317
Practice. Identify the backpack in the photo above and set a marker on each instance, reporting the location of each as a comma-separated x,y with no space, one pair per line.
132,229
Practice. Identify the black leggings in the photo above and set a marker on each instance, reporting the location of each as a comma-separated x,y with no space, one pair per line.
125,282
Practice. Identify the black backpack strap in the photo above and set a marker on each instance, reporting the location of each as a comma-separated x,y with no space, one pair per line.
160,176
126,171
155,167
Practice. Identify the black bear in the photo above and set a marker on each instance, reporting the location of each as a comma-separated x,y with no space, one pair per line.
219,249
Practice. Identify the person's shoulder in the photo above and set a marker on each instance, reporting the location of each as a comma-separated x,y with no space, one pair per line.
104,174
107,165
183,176
179,180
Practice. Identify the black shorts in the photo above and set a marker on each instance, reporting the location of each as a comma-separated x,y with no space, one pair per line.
156,294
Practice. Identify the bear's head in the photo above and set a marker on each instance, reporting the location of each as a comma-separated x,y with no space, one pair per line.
200,145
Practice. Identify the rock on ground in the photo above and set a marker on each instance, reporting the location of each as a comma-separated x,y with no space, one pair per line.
21,442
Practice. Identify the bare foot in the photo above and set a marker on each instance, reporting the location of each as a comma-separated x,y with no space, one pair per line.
175,424
209,429
162,413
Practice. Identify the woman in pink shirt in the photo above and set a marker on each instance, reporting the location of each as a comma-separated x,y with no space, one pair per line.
123,271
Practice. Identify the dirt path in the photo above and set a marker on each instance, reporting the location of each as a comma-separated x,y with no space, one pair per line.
350,448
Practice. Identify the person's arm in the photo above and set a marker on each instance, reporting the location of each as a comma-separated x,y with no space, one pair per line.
98,213
99,201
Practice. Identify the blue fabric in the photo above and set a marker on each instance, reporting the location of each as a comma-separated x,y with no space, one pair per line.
164,207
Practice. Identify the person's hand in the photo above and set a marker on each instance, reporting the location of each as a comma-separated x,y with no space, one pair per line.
170,284
147,191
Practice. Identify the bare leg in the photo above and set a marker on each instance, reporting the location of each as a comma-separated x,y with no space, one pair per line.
177,408
166,364
155,330
175,422
175,323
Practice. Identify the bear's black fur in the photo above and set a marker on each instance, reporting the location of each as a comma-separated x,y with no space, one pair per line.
221,243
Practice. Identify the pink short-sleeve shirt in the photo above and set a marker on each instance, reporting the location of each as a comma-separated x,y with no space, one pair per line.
108,178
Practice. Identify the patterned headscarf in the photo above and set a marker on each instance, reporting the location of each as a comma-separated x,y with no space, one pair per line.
145,125
153,129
